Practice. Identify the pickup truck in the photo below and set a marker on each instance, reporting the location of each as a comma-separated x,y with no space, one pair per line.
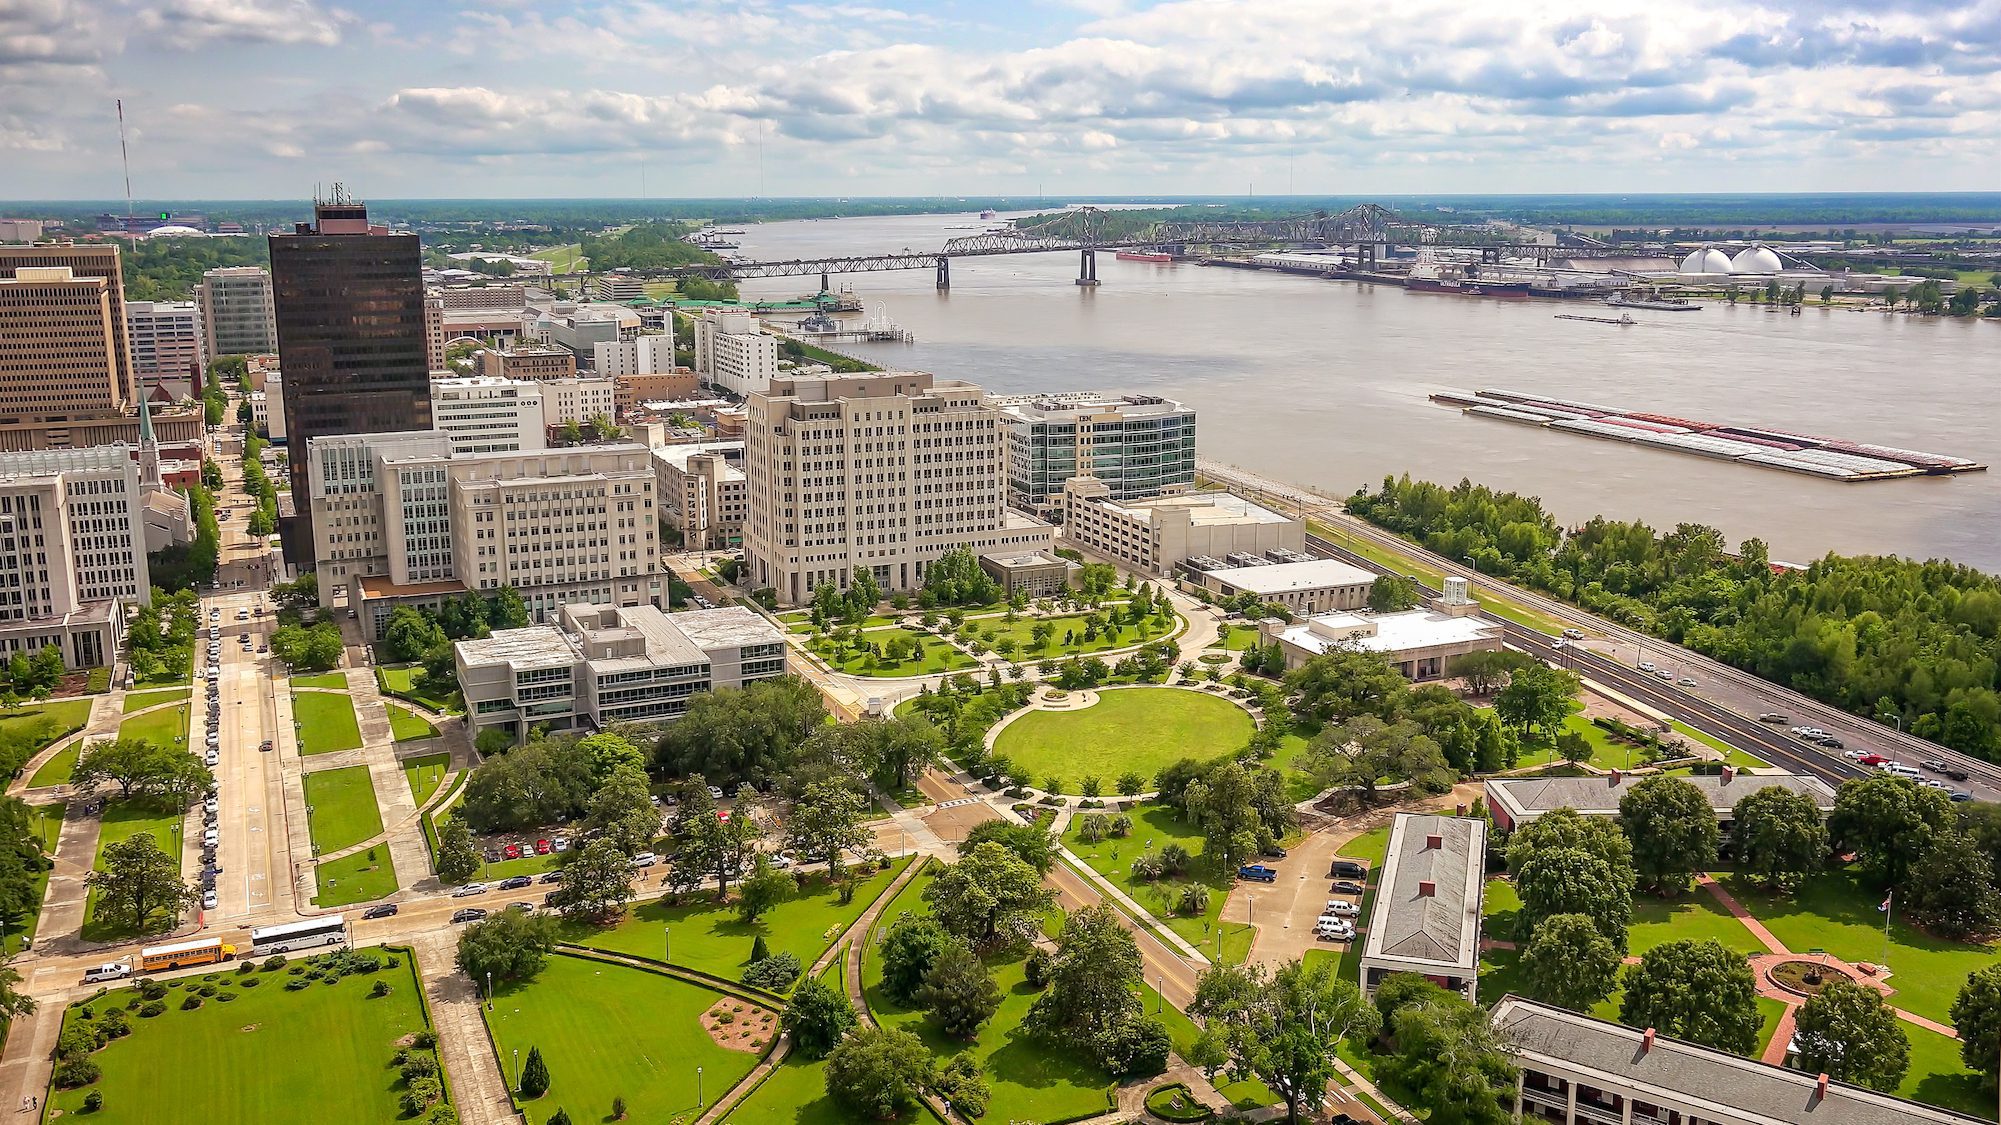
1259,872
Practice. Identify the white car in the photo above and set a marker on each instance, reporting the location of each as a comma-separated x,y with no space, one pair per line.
1646,665
780,860
715,792
208,900
1854,753
110,970
645,859
1334,933
467,890
560,844
1340,908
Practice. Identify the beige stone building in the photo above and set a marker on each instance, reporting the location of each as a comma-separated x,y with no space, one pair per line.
1304,588
731,352
703,492
1154,536
1421,643
533,363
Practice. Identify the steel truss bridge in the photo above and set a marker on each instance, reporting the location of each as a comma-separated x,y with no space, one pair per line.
1368,229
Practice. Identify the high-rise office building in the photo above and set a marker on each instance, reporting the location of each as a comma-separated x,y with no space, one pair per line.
886,470
351,338
236,312
489,415
73,542
57,352
731,353
166,342
90,262
1140,446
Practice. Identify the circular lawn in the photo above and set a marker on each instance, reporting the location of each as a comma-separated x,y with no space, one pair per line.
1139,729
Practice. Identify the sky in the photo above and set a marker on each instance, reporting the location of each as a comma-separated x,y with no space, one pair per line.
251,99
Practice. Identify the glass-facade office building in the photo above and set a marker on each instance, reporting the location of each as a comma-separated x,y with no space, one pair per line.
1141,446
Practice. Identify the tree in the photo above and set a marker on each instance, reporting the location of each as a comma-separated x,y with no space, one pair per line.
914,942
1453,1061
1951,888
962,1085
1364,751
622,810
1700,991
1573,881
1281,1028
1347,683
1569,963
1850,1033
1888,822
742,733
308,649
1976,1015
877,1072
510,945
1391,593
134,764
990,897
1537,698
138,881
608,752
1035,844
762,889
458,857
1091,981
1673,830
896,751
958,992
1568,828
712,845
826,824
597,882
1487,670
817,1016
1780,837
534,1075
13,1003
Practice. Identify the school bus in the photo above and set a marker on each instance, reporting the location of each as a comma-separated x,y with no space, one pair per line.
208,951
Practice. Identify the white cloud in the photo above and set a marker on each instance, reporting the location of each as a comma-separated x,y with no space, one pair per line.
192,24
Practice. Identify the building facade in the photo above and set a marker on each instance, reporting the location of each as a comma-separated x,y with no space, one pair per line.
166,341
641,355
349,301
237,314
58,347
528,362
1420,643
578,400
884,470
1304,588
703,492
732,353
1518,800
597,665
619,287
73,548
489,415
1140,446
1155,536
630,391
1426,915
83,262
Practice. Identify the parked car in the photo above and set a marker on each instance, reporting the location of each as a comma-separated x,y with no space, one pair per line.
515,882
1686,681
542,847
560,843
468,914
1646,665
1274,851
386,910
551,877
1831,742
1958,775
1341,908
645,859
523,907
1348,869
512,851
1932,764
1573,634
467,890
1258,872
1960,795
715,792
493,855
1872,759
1345,887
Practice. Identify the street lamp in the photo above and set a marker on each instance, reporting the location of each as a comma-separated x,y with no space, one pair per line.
517,1068
698,1087
667,939
1159,994
489,990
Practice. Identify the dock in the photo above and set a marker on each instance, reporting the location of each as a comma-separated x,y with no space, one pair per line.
1790,451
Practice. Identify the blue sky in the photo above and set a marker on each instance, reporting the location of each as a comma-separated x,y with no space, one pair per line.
264,98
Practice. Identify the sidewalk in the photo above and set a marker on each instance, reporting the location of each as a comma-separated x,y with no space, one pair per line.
479,1090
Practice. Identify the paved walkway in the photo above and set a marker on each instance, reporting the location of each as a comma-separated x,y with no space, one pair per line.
478,1088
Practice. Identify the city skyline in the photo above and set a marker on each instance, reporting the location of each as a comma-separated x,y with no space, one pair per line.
1187,97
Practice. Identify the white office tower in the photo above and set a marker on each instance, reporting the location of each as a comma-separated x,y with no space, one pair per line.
731,353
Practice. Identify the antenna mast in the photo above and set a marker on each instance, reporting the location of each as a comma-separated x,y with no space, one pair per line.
125,158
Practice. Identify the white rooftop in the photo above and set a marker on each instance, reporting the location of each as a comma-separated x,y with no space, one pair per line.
1291,577
1202,508
1387,632
534,646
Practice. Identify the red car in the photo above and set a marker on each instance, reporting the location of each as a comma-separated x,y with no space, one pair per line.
541,847
1872,759
512,851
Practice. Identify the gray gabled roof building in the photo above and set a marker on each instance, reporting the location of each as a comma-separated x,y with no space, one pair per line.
1426,915
1517,800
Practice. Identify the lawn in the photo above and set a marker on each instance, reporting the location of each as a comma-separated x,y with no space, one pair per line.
563,259
325,721
335,680
362,877
425,774
714,939
1138,728
1031,1080
166,727
1835,913
59,767
269,1057
408,726
140,700
1695,916
1238,638
937,656
1154,827
613,1031
401,680
1022,632
120,821
1939,1077
46,822
796,1092
341,806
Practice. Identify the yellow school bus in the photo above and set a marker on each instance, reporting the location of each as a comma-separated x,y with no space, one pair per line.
208,951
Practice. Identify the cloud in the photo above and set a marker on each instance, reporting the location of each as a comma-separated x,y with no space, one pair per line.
46,33
193,24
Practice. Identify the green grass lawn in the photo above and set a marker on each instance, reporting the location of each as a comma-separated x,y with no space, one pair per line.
1694,916
342,807
529,864
937,656
140,700
1238,638
1022,632
1938,1076
401,680
1139,728
326,722
335,680
362,877
56,718
120,821
166,727
1835,913
1370,847
712,938
46,822
563,259
611,1031
1154,827
796,1092
408,726
1769,1013
425,774
59,767
269,1057
1031,1080
1246,1095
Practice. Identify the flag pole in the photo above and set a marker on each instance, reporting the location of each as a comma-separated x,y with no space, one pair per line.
1889,907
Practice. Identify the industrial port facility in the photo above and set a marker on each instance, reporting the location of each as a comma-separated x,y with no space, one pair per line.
1825,457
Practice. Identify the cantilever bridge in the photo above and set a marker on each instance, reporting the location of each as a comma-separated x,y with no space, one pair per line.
1368,229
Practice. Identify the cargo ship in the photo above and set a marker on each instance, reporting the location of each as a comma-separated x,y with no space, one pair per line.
1142,256
1657,304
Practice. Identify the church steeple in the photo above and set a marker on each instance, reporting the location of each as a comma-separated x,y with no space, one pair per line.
149,449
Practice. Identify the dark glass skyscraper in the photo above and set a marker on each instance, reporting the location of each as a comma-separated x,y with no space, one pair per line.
350,307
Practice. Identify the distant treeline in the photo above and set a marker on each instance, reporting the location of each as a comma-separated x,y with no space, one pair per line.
168,269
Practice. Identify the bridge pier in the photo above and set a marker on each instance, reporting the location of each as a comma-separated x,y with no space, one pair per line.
944,272
823,281
1365,256
1087,267
1490,255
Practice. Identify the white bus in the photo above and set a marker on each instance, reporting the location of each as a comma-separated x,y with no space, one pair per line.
330,930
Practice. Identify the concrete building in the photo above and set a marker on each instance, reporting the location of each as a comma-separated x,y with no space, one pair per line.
884,470
237,314
59,347
600,664
641,355
435,335
20,230
1515,801
1576,1070
48,337
1039,574
73,548
732,353
581,327
166,340
703,492
578,400
1305,588
482,298
678,385
490,415
1155,536
619,287
1421,643
528,362
1140,446
1426,914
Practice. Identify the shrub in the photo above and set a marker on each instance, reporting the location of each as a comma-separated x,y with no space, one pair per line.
93,1101
418,1094
1134,1047
426,1039
75,1071
206,990
1175,860
251,982
152,989
758,950
243,967
191,1003
1194,899
273,963
381,988
1038,968
774,973
618,1109
297,983
1091,786
1147,868
152,1008
225,998
420,1065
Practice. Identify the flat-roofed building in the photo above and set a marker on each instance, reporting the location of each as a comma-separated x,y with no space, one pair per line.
577,400
732,353
1154,536
490,415
1515,801
1305,588
166,340
66,341
600,664
1039,574
73,550
237,314
531,363
1421,643
1575,1070
1426,915
632,391
1140,446
619,287
641,355
703,492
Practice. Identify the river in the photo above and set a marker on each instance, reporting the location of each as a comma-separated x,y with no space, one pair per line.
1324,383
